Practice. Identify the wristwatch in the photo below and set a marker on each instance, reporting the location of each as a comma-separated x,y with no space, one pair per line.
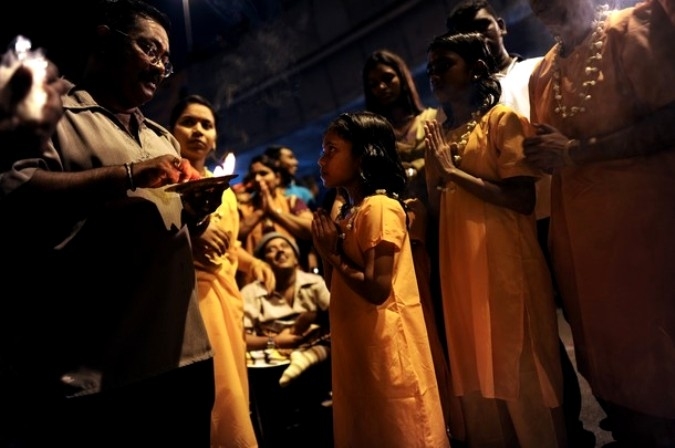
271,344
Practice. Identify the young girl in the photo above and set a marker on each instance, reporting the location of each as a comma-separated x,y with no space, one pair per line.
384,386
389,90
498,303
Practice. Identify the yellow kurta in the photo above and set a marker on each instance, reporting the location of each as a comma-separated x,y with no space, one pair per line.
222,309
384,387
494,279
612,223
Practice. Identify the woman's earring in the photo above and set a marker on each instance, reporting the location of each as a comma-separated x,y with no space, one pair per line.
476,77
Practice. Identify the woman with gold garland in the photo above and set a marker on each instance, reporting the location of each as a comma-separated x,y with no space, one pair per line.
499,311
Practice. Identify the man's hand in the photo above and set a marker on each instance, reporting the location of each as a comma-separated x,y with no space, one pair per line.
546,149
26,131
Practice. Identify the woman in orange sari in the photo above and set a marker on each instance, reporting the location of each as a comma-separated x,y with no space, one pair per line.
218,256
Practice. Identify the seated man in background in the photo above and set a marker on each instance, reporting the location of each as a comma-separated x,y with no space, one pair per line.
282,318
283,326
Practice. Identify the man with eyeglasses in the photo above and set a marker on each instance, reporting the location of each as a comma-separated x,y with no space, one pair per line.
152,51
105,339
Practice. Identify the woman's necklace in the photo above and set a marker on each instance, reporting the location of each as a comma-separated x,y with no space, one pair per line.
457,148
592,72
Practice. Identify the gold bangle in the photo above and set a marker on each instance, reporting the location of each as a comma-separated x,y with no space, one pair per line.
567,158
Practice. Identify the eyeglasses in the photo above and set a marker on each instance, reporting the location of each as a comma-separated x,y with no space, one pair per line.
439,67
153,53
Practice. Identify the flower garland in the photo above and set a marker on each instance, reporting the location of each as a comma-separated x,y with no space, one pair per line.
461,144
464,138
592,72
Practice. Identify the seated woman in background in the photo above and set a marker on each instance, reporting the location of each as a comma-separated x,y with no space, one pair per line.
270,210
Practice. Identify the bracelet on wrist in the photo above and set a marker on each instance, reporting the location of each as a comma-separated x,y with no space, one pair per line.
129,169
271,343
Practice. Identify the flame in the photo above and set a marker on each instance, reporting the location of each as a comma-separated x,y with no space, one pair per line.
227,167
22,46
34,60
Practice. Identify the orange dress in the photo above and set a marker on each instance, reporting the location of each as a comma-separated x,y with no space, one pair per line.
384,386
612,238
497,294
222,310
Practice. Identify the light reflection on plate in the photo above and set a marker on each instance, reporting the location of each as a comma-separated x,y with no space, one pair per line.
222,182
266,358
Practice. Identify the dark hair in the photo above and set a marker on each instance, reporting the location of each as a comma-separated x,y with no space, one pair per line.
267,161
473,47
184,102
274,153
409,98
374,142
122,15
464,13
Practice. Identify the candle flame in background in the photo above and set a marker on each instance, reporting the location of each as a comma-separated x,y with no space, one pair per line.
227,167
